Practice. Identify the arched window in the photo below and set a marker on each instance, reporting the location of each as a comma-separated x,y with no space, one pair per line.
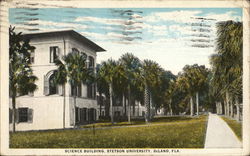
84,54
52,85
74,50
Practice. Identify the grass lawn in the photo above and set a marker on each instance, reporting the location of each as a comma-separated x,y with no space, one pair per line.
183,133
235,126
157,120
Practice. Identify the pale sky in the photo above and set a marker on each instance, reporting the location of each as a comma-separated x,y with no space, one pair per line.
165,35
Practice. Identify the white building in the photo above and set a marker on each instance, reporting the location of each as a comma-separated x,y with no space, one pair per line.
47,107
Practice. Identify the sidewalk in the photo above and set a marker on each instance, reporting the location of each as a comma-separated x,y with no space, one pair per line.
219,134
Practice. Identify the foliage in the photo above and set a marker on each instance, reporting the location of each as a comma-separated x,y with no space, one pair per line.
21,78
191,80
73,67
21,75
227,62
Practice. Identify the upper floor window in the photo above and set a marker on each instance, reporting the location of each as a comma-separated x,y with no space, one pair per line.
32,56
54,54
84,54
91,91
91,62
74,50
52,85
76,90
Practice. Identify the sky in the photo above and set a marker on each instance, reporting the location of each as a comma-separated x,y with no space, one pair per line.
173,37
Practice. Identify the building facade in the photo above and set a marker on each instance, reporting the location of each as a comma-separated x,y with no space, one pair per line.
50,107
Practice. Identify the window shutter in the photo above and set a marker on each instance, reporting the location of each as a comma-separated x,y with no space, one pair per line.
10,115
57,52
46,86
30,115
72,117
60,89
94,91
51,54
17,115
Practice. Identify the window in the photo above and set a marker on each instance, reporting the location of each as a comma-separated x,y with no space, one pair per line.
32,56
23,114
77,91
84,54
77,115
89,91
83,115
74,50
52,85
54,54
91,62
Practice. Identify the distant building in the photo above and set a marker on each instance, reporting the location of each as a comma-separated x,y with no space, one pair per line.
47,107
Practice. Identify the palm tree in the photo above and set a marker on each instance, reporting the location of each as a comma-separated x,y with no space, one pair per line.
131,65
200,76
102,86
22,80
169,93
227,62
151,72
72,68
110,71
193,80
159,91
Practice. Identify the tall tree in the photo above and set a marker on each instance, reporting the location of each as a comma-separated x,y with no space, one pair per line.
111,71
193,80
73,68
22,80
131,65
102,87
227,63
150,75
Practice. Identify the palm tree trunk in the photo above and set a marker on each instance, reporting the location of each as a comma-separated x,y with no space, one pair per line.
231,109
170,107
237,109
150,106
225,108
111,103
64,102
138,109
123,104
191,106
100,102
217,107
227,103
197,103
129,104
75,90
133,107
146,102
14,111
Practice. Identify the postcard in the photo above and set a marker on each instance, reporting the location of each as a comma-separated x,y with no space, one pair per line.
124,77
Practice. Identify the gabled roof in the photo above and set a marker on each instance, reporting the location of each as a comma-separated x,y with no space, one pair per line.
72,33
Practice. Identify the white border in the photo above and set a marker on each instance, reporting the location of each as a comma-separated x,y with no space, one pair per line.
4,150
